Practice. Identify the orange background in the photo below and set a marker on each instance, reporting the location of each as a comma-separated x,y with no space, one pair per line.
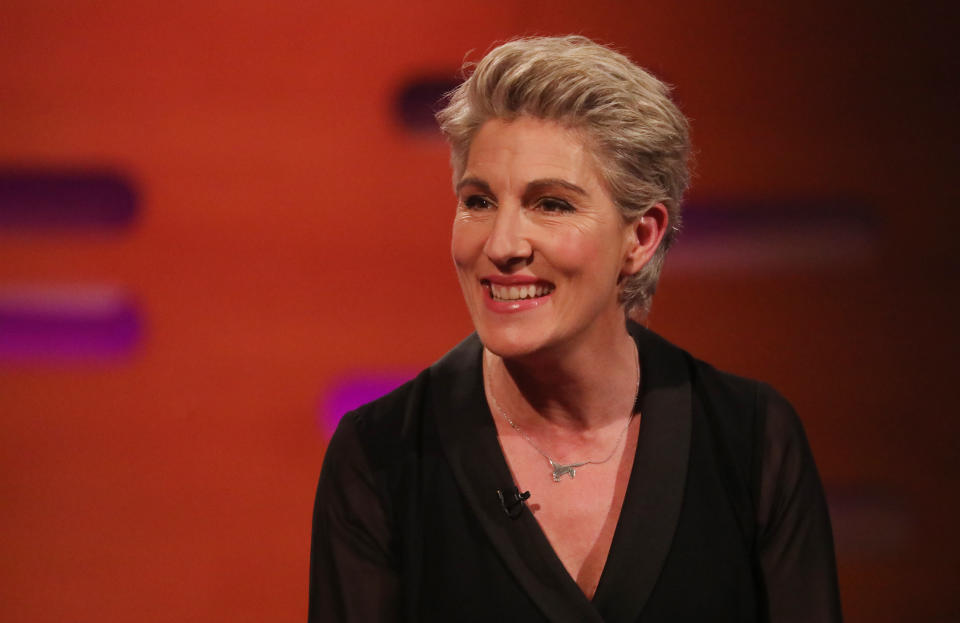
292,230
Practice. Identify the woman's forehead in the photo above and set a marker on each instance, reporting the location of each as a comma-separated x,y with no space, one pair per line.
527,149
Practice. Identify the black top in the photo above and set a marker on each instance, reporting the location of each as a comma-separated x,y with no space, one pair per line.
724,517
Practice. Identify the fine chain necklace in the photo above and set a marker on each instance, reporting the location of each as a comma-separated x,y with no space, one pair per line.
559,469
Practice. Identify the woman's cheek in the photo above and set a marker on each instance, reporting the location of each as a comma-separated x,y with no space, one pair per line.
569,250
466,242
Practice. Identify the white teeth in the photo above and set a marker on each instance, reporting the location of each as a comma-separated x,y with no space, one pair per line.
514,293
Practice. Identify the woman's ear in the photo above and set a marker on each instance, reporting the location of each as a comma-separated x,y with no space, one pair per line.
643,238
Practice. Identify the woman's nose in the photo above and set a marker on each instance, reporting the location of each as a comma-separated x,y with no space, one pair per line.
507,245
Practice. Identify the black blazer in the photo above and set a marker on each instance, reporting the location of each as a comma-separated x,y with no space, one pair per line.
724,517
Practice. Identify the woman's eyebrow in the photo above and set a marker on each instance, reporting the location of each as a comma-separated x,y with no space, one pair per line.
474,181
545,183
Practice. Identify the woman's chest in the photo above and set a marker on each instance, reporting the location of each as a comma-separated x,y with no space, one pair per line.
577,509
465,562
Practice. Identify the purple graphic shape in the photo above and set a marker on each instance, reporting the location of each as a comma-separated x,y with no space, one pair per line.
349,391
52,199
705,217
764,235
419,99
67,325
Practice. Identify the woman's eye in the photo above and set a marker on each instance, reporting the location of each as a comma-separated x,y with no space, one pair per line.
550,204
477,202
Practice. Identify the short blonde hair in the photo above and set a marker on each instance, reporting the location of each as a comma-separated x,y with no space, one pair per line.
640,138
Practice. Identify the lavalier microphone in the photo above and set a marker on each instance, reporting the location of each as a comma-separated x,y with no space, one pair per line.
512,501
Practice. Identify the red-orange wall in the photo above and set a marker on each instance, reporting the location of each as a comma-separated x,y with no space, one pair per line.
291,230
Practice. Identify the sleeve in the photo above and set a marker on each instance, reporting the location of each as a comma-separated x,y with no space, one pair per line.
795,541
353,574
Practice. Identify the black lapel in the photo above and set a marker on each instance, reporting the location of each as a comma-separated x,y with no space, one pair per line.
651,506
468,437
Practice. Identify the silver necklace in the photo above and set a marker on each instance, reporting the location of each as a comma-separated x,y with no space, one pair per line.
560,469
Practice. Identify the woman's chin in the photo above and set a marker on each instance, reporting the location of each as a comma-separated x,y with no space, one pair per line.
511,343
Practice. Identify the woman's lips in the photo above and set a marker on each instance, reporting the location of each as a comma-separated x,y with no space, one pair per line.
512,297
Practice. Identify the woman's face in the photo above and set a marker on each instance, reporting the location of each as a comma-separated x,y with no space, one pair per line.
538,244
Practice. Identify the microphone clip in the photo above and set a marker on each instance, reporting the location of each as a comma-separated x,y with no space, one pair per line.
512,501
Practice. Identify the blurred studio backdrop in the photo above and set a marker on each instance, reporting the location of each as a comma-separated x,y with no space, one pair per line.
224,223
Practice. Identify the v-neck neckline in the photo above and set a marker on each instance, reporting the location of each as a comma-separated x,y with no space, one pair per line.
651,504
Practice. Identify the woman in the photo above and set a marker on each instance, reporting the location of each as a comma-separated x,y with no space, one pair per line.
562,463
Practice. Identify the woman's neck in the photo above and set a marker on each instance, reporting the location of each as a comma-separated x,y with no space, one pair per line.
581,389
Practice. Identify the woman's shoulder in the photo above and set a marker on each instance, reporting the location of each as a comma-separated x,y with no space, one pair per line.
399,419
385,415
719,387
746,415
752,404
388,411
379,429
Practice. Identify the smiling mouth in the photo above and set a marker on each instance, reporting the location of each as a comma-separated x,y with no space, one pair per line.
517,293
